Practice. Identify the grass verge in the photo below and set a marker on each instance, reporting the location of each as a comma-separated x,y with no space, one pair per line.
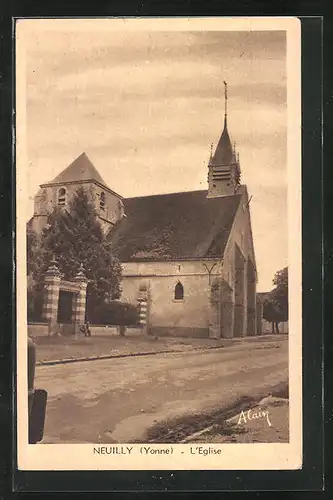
176,430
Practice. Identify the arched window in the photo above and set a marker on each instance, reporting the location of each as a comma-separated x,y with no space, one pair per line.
179,291
102,201
62,197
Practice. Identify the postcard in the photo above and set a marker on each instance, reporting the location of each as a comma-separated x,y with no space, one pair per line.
158,178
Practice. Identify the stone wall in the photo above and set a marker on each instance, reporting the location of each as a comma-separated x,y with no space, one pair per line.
266,327
47,199
38,329
181,331
239,269
227,317
161,278
42,329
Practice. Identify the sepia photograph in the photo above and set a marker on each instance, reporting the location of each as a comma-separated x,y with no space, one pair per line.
159,243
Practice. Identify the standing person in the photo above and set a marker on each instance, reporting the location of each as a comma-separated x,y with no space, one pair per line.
88,331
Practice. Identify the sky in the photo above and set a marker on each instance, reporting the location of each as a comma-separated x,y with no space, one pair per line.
145,106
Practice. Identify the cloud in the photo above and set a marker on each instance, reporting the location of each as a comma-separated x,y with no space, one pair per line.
58,49
168,77
145,106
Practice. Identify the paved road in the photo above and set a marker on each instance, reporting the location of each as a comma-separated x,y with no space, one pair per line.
117,400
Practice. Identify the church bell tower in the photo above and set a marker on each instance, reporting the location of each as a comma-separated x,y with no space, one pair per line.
223,166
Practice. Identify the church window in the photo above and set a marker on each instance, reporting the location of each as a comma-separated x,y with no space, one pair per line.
179,291
62,197
102,201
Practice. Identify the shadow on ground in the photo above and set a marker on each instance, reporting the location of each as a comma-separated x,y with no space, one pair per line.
221,422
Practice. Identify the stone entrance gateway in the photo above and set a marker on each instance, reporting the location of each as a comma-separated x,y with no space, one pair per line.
64,301
65,306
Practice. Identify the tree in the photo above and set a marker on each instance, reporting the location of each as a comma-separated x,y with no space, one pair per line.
280,293
271,313
32,245
275,308
75,236
34,290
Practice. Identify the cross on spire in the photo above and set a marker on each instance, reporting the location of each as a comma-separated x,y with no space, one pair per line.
225,99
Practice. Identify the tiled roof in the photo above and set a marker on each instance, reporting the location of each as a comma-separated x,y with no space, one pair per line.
80,169
176,225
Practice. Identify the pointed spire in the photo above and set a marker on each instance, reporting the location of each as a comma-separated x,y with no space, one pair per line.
224,154
81,169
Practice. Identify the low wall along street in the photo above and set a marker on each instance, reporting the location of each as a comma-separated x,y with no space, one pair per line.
42,330
188,332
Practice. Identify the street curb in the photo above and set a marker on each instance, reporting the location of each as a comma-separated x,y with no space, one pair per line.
111,356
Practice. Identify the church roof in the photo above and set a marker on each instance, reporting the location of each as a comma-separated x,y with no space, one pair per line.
223,154
80,169
174,226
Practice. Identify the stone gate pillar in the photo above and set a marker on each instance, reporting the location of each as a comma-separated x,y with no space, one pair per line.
79,305
144,308
51,297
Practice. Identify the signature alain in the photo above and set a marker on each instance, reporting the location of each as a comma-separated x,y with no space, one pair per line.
246,416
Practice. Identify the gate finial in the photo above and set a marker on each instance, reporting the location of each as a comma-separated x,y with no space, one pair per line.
53,269
81,276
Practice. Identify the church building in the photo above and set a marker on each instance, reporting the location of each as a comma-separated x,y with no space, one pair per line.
190,255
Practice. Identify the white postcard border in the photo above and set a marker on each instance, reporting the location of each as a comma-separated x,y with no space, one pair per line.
254,456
